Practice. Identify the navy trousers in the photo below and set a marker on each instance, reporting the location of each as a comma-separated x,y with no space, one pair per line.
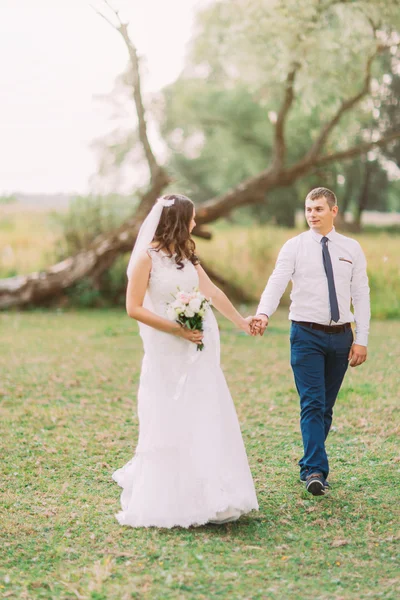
319,361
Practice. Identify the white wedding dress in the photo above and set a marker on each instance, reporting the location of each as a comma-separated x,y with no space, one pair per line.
190,466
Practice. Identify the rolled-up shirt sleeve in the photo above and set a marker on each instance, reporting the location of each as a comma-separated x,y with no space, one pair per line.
360,298
279,279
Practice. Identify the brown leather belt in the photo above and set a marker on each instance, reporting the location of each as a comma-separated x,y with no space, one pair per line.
326,328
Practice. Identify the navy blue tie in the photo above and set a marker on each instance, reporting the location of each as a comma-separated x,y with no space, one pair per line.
331,281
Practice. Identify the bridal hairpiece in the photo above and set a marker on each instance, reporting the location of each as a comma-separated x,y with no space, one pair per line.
165,202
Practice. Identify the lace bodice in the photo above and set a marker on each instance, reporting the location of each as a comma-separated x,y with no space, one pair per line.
166,278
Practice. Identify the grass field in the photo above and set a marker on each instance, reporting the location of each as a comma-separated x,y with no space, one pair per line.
68,394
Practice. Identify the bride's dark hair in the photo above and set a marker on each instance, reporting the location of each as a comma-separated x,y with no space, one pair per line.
173,230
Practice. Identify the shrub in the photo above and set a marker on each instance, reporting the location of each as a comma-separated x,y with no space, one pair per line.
88,217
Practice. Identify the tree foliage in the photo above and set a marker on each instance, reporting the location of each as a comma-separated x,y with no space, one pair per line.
219,114
275,94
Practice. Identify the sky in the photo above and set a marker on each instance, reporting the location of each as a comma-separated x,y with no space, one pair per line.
57,57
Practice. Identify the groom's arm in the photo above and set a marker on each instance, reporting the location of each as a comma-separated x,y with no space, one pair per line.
360,297
362,311
277,283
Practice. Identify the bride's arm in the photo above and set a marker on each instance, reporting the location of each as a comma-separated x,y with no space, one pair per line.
221,300
135,293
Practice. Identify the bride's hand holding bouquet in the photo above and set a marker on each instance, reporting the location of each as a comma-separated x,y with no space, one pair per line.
189,309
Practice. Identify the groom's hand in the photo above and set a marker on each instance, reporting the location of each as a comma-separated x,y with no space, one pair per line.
358,355
259,324
250,324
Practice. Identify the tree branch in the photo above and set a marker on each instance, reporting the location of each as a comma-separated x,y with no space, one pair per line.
280,142
254,189
249,191
114,10
202,233
356,150
345,106
137,95
289,97
279,136
122,28
348,104
103,16
159,178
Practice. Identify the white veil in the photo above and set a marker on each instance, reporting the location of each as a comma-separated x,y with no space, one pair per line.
147,232
143,241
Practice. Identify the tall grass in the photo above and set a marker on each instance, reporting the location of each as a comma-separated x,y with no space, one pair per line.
27,241
247,257
243,255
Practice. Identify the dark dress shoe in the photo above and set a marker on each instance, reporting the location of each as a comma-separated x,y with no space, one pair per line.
315,484
303,479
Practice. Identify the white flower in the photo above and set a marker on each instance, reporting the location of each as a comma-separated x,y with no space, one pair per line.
195,304
178,304
189,312
171,313
183,297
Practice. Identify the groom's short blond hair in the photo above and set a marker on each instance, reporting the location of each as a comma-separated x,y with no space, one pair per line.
322,192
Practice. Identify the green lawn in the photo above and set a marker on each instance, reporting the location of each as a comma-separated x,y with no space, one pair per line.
68,393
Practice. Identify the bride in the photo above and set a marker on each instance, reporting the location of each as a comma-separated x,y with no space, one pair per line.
190,466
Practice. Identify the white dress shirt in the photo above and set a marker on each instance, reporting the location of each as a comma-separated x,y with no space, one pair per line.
300,260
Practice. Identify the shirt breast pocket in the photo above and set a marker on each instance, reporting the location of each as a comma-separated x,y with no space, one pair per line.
344,269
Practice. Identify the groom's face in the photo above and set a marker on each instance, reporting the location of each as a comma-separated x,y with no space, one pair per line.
320,215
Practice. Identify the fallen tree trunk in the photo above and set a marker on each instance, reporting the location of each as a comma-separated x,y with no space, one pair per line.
37,287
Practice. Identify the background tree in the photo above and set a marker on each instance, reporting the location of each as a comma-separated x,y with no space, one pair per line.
221,132
307,67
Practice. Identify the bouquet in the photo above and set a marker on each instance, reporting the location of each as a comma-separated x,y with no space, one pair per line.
189,309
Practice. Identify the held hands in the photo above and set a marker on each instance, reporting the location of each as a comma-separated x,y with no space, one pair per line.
255,325
259,324
251,325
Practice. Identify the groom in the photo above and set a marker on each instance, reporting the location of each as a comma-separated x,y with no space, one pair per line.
328,272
